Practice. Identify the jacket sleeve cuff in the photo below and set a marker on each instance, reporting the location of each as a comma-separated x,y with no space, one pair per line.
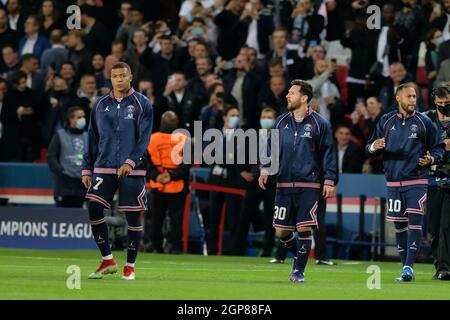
86,172
329,183
433,160
371,148
131,163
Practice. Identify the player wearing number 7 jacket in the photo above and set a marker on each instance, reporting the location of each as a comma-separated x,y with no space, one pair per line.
119,133
410,143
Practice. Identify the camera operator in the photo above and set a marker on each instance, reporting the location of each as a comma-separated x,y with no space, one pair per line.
438,198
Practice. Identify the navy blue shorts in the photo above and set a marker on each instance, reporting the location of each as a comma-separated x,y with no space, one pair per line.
294,209
131,191
405,200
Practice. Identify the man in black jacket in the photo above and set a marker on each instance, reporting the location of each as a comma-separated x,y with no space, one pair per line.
244,84
226,175
65,155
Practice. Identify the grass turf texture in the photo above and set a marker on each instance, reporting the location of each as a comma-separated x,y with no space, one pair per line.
33,274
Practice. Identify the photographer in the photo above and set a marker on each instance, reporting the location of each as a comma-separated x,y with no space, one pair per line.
438,197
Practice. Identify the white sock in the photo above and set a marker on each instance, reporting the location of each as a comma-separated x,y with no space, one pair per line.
130,264
108,257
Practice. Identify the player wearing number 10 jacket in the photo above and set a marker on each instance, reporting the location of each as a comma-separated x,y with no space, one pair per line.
119,133
307,171
410,143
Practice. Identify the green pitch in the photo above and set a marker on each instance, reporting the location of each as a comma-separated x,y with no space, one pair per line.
33,274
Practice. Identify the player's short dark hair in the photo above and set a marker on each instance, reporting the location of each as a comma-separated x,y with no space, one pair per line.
305,88
269,109
17,76
229,108
122,65
403,86
441,91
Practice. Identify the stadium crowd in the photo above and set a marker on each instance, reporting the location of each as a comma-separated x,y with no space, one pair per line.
226,63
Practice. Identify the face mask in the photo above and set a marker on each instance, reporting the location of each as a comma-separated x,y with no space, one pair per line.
445,110
266,123
81,123
439,41
233,122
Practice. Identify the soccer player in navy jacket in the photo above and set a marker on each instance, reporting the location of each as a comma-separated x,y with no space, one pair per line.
307,170
119,133
410,143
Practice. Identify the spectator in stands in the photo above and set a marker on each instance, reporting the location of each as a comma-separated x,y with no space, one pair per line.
289,58
398,76
117,54
331,107
56,55
200,50
3,91
98,66
33,42
255,28
197,86
306,26
227,21
65,156
443,21
364,119
161,64
124,13
130,24
8,37
19,118
168,183
16,16
180,100
49,18
362,42
276,96
244,85
68,73
433,40
79,54
159,103
10,61
211,115
60,98
131,56
98,37
87,95
350,156
35,78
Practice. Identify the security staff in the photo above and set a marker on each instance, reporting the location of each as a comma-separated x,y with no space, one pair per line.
438,198
168,183
65,157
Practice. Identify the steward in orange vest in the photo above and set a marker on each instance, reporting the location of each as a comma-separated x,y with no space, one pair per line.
168,183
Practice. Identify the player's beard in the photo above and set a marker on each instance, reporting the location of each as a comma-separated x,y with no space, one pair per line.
294,106
408,108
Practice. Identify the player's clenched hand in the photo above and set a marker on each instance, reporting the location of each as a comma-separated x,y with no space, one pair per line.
447,144
426,160
329,192
379,144
262,180
124,170
86,181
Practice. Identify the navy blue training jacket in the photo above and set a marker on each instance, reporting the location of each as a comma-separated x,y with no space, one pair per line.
307,156
119,133
407,140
